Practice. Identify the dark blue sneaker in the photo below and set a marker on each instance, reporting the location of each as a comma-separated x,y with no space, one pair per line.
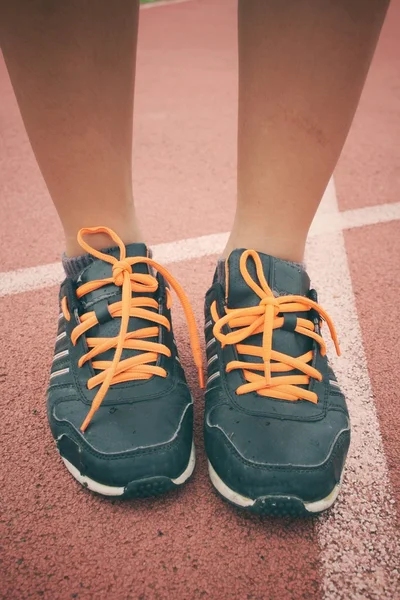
277,428
118,403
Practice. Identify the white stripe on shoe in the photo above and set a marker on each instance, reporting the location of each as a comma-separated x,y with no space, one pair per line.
210,343
212,377
58,373
60,355
334,383
211,360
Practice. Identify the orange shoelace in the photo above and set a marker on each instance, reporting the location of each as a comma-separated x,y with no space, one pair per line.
264,318
142,365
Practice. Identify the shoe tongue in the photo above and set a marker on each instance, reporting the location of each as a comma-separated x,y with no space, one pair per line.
283,277
99,269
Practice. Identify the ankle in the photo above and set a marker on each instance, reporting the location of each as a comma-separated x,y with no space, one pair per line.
129,234
285,248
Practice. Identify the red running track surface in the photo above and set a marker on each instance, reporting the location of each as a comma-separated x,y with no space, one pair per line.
58,540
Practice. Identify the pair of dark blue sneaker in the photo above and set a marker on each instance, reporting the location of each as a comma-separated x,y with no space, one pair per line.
276,425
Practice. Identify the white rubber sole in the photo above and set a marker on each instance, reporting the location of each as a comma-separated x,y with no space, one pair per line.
107,490
244,502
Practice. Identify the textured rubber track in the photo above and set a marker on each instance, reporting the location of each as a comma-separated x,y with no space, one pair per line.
61,542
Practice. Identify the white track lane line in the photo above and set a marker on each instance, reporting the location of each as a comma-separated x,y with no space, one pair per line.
360,549
42,276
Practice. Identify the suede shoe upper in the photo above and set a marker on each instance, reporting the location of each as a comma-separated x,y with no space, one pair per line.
142,427
289,437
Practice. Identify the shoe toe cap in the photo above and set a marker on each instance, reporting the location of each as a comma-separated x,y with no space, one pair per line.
134,442
257,456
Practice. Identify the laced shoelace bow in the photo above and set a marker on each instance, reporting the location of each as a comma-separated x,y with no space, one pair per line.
264,318
139,366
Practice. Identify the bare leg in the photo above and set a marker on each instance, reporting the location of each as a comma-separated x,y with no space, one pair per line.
302,67
72,65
